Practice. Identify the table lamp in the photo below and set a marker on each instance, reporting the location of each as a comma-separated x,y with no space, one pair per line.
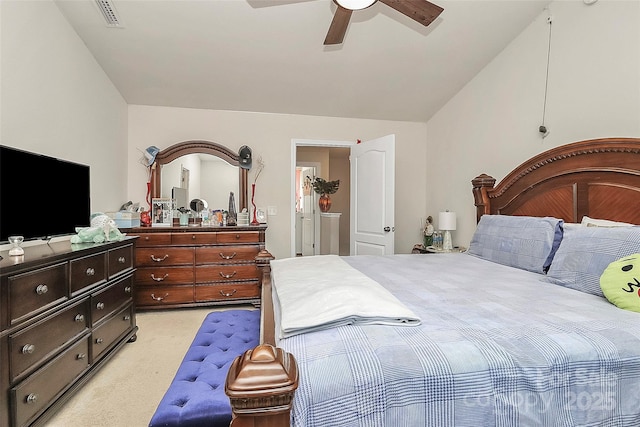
447,222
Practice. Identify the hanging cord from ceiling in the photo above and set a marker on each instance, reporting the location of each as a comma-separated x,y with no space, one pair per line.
543,129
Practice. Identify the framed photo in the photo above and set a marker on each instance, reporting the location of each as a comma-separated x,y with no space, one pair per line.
261,215
161,214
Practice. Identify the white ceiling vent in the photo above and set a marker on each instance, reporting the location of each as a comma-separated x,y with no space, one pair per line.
109,13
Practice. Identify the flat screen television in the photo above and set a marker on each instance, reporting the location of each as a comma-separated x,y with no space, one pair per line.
40,196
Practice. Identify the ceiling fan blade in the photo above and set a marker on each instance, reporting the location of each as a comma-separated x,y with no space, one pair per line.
338,27
421,11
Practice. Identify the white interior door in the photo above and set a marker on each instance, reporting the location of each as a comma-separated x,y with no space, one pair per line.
373,197
308,215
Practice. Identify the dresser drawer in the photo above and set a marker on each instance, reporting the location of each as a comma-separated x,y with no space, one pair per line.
104,336
152,239
239,237
34,394
156,296
226,254
33,344
108,300
164,256
227,291
226,273
120,260
193,238
88,272
32,292
164,275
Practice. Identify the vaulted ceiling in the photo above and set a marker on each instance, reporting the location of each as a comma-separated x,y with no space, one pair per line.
268,55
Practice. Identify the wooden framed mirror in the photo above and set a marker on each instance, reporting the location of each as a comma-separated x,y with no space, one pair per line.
201,149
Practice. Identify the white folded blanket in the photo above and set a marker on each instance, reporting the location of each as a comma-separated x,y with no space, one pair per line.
321,292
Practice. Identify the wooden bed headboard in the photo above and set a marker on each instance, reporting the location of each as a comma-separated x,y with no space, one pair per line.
599,178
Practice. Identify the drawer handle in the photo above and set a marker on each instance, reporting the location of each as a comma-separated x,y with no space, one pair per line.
31,398
79,318
228,294
122,260
126,317
227,276
99,340
223,256
90,271
155,298
193,237
153,258
127,289
80,356
100,306
42,289
159,279
237,236
28,349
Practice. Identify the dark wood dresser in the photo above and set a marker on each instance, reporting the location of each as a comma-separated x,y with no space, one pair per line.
65,310
197,266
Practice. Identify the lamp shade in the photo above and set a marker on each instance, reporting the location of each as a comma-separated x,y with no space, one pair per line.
447,220
355,4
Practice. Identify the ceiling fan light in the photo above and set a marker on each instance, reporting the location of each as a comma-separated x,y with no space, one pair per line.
355,4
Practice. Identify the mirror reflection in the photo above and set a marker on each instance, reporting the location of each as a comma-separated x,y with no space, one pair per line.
200,176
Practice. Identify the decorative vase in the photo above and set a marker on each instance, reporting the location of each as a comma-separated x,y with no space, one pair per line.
253,193
145,218
324,203
149,194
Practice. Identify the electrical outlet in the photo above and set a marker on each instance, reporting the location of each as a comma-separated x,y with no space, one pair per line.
272,210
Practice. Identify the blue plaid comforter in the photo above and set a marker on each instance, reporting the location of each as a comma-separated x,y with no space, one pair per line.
497,347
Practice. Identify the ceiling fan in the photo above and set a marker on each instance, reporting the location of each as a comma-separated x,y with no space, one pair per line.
421,11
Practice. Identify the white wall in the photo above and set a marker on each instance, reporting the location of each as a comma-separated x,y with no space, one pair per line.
491,125
56,100
270,136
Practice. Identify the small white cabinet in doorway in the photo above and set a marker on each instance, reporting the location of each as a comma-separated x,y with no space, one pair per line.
330,233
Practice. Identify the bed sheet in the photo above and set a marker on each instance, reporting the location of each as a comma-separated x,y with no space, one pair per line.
497,346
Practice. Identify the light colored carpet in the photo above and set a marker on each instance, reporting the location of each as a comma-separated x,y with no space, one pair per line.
127,390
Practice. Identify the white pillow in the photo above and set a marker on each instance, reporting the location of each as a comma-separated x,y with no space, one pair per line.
591,222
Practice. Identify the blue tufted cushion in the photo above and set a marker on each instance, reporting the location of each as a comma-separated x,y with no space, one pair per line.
196,395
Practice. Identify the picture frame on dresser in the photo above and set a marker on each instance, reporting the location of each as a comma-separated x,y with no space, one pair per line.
161,213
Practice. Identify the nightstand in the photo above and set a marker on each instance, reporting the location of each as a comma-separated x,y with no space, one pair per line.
455,250
418,248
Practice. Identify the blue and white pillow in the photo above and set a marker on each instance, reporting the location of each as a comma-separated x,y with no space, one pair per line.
585,252
524,242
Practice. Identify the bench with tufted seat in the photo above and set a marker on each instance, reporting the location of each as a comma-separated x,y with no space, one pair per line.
196,395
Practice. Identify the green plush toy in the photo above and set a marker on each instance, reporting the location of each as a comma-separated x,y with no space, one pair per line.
620,283
103,229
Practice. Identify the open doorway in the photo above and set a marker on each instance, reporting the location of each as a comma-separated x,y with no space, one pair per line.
307,216
330,160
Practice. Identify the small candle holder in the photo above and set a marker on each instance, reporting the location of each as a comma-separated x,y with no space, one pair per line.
16,241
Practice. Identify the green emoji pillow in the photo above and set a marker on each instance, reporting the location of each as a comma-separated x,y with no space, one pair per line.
620,282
